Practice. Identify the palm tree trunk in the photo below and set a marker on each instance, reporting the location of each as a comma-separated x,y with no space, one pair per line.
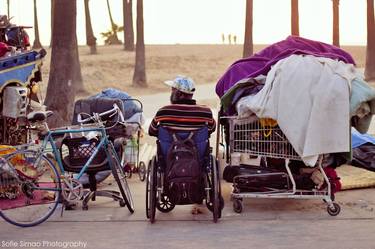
370,51
336,23
90,38
61,83
248,40
139,77
37,43
52,18
114,37
294,17
8,9
128,25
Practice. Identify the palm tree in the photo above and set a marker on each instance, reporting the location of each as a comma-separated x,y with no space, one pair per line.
52,17
113,38
370,50
294,17
128,25
63,68
139,77
248,40
8,8
90,38
37,43
336,23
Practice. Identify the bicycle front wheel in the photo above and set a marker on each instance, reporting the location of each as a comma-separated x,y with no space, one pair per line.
120,177
30,188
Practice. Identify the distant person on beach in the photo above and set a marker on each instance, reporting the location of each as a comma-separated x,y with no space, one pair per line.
183,113
234,39
230,38
223,38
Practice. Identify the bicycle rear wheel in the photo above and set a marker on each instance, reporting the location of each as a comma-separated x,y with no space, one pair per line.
30,188
120,177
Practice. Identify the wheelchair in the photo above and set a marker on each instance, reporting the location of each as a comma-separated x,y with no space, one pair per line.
159,194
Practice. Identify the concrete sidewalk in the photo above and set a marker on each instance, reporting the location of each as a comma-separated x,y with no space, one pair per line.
269,223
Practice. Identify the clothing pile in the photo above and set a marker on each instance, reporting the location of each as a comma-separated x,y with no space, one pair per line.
310,88
13,38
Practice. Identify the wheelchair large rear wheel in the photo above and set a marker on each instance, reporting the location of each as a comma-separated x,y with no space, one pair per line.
151,182
30,188
216,209
120,177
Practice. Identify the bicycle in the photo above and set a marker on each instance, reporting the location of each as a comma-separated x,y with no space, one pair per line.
31,186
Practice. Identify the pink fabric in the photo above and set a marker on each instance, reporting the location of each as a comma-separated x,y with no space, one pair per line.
21,200
3,48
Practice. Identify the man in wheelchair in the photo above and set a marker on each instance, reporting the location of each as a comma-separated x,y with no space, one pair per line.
183,171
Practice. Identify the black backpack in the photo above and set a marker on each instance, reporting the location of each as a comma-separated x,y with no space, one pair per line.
183,171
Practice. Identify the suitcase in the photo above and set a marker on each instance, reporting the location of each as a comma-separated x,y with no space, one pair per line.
249,178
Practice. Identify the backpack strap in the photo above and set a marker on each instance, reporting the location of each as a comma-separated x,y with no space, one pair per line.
175,137
190,135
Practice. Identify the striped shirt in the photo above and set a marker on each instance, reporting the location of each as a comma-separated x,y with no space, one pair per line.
185,115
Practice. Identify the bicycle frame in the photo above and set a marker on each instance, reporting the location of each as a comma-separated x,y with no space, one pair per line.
103,143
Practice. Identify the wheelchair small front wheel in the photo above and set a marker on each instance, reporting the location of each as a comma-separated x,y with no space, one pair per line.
165,205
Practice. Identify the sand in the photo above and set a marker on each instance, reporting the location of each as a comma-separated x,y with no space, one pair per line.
113,67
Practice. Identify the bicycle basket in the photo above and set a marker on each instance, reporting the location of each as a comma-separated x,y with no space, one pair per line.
79,151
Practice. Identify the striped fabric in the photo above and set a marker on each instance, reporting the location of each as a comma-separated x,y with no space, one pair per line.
181,117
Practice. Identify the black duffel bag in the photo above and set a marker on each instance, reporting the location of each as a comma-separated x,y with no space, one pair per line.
255,178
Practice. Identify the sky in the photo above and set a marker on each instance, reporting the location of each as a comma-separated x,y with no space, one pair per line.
204,21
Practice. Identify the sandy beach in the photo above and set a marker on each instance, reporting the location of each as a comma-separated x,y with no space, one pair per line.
113,67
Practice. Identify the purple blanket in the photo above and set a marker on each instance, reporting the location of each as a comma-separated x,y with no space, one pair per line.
261,62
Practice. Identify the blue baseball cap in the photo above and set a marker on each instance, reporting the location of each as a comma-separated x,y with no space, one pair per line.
182,83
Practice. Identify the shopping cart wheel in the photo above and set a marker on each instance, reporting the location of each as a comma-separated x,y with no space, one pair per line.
335,210
142,171
237,205
128,171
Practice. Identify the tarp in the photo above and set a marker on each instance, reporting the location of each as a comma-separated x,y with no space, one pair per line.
261,62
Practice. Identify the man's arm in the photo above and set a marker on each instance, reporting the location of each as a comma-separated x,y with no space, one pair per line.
153,128
211,125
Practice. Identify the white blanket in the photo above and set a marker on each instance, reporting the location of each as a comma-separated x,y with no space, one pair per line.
309,98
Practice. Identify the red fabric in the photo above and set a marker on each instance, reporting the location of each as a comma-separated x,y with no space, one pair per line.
333,178
22,200
3,48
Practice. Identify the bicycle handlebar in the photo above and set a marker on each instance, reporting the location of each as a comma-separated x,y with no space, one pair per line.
96,117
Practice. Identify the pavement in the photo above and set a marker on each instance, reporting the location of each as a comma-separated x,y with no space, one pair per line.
264,223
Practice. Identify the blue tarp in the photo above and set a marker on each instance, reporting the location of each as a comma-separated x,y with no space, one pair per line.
359,139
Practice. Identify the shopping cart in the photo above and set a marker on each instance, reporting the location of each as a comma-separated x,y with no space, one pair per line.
248,137
130,160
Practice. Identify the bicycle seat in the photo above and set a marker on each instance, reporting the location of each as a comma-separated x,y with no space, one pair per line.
39,116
